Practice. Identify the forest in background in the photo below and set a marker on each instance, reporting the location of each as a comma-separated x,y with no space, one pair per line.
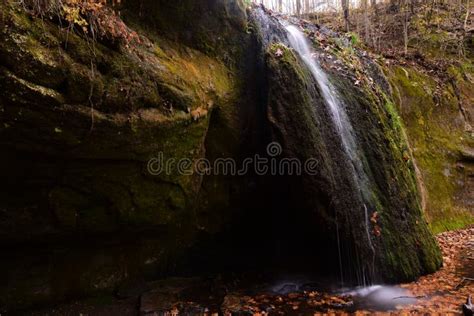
383,25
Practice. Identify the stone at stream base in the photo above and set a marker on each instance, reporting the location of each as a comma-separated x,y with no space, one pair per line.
467,154
168,304
157,302
173,295
468,308
133,288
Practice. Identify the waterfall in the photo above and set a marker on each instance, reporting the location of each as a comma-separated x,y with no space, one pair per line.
343,127
337,110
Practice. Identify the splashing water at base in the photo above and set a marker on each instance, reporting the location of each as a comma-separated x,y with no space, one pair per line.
375,297
380,297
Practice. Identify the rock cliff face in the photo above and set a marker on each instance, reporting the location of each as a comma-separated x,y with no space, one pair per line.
384,237
86,132
80,120
80,211
437,111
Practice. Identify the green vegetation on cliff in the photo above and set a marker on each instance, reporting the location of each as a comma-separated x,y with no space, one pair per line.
437,134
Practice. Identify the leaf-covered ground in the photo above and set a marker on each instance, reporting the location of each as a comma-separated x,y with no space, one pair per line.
444,291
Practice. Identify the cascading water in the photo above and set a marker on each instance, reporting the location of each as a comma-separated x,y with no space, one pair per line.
343,126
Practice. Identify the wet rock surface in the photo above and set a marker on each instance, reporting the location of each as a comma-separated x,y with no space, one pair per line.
385,230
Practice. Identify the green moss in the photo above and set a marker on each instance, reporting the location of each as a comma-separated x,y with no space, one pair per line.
284,55
435,140
143,101
452,219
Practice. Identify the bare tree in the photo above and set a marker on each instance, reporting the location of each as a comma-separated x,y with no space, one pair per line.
365,9
345,11
405,22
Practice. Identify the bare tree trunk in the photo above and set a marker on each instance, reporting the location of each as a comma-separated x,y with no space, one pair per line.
395,5
461,50
468,12
345,10
365,10
298,7
412,6
375,22
406,22
430,12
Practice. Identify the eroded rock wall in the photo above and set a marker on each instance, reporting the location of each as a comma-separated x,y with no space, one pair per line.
437,111
80,120
385,237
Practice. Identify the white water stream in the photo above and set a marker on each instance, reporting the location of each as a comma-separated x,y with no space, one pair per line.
300,44
343,126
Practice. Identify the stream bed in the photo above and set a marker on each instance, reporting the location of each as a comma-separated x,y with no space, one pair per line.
257,293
